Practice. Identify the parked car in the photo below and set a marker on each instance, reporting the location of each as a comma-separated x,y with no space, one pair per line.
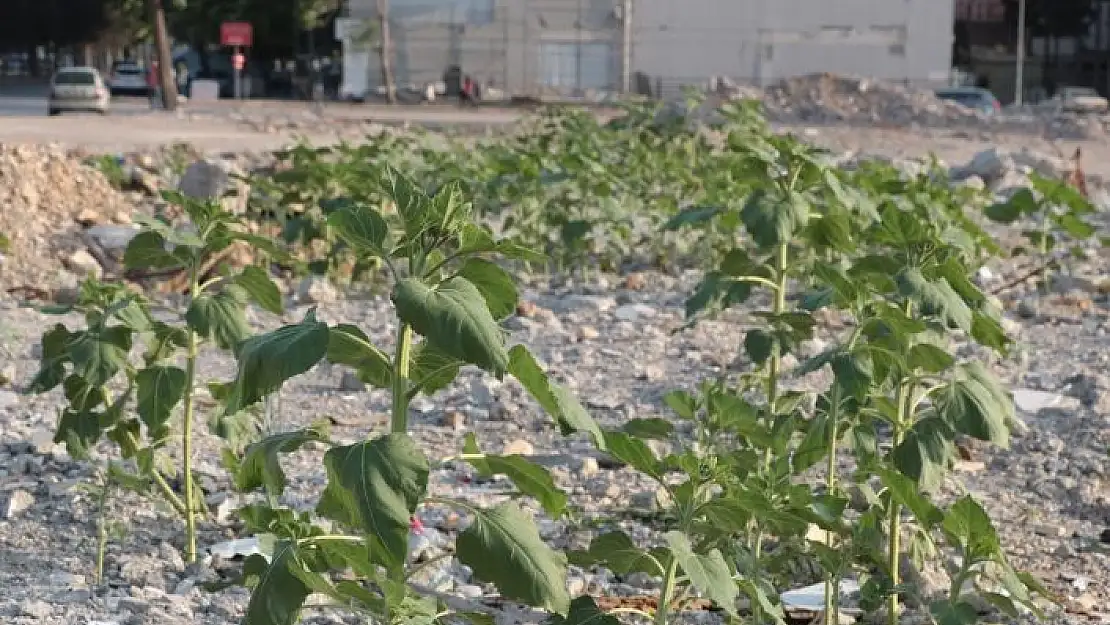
1080,100
128,78
976,98
78,89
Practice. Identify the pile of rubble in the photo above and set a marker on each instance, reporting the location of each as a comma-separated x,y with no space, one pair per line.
829,98
48,198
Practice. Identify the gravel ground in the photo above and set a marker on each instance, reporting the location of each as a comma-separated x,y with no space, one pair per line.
615,347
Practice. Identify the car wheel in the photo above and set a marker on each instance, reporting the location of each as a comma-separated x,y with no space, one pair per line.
53,112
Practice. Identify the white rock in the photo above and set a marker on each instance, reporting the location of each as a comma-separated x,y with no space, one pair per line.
84,264
1031,402
316,290
519,447
634,312
17,502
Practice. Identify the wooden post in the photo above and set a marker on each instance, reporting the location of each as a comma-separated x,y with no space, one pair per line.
165,60
386,51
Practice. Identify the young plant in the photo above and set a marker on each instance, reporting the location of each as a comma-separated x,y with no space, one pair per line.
133,404
982,568
913,304
448,297
1062,212
714,489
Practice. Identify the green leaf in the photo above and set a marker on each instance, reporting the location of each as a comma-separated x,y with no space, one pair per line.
772,221
716,291
280,592
758,344
929,358
693,216
709,573
1073,226
633,452
261,465
361,227
99,355
617,552
220,317
583,611
853,373
1020,203
684,404
926,452
159,390
948,613
502,546
653,428
495,285
348,345
432,370
454,318
530,479
936,297
148,251
968,526
411,201
375,486
904,491
257,283
553,398
266,361
975,404
79,431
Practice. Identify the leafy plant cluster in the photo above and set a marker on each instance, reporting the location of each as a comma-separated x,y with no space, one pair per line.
586,194
785,478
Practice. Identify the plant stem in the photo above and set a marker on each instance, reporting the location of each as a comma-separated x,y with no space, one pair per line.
773,371
662,610
832,585
159,481
102,527
187,433
895,518
399,421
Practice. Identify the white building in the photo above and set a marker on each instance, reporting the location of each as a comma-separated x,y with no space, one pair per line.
568,47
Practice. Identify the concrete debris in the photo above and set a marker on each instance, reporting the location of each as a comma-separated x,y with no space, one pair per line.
826,98
46,194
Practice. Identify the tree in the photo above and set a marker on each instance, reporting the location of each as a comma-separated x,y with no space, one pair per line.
165,60
385,51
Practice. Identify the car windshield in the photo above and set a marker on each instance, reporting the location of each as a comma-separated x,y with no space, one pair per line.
128,70
75,78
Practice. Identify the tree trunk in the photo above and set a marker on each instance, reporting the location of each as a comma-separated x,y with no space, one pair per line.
386,51
165,60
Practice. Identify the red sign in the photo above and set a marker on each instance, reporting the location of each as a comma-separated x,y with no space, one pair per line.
240,34
238,61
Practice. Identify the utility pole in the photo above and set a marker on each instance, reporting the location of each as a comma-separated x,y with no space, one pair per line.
626,47
1019,71
162,52
386,48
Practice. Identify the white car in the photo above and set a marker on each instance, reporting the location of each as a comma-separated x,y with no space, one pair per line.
1081,100
128,79
77,89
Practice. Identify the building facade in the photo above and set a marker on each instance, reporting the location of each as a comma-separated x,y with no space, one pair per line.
576,47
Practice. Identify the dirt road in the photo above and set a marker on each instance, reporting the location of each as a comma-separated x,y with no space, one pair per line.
268,125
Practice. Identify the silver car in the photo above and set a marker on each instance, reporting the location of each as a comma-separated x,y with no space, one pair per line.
78,89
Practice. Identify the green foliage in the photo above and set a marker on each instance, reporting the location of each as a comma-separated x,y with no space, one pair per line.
133,404
778,228
1062,212
448,293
